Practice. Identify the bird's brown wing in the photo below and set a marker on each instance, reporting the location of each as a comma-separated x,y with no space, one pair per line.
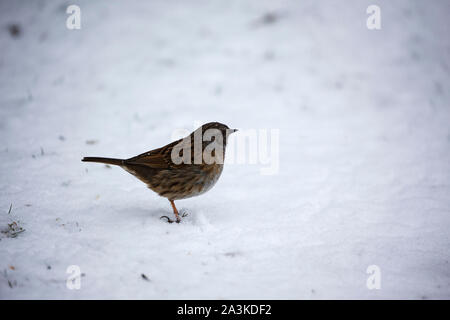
157,159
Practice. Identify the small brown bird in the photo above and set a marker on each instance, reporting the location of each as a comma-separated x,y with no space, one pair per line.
182,169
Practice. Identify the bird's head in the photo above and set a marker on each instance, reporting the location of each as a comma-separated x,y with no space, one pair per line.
213,130
211,136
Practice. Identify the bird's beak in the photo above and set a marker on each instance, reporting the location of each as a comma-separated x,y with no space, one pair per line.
234,130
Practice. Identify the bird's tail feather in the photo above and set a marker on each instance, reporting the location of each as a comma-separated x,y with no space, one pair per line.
117,162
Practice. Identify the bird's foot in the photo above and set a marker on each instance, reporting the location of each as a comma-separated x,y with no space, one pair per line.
170,220
184,214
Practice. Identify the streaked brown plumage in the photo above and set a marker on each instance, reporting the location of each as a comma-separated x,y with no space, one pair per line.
174,180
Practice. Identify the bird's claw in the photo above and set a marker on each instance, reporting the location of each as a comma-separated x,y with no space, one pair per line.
184,214
170,220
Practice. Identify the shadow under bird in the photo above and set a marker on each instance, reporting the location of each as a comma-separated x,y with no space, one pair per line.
182,169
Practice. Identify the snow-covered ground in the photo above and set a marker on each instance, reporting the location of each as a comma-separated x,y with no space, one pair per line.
364,148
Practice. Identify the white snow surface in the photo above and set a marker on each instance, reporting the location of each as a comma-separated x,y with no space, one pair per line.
364,149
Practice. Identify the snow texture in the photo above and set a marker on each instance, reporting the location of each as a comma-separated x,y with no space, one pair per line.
364,149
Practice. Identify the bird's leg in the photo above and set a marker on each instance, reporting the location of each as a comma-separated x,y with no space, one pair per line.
175,212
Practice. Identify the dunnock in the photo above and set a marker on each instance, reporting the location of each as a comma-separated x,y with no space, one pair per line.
182,169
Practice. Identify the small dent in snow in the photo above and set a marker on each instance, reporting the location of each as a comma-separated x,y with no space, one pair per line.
15,30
